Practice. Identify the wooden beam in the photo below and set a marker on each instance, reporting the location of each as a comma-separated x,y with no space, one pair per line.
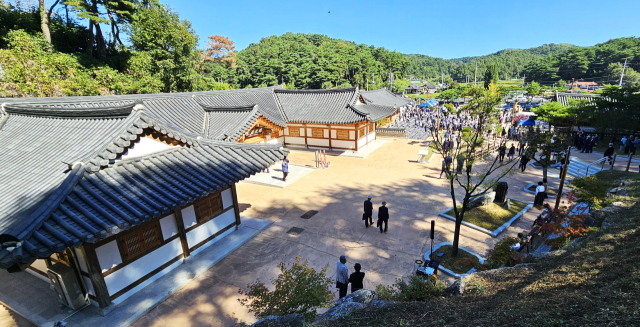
183,235
236,207
356,125
330,136
95,274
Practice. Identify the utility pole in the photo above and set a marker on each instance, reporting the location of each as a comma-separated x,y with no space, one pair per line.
623,67
524,77
563,175
475,75
367,83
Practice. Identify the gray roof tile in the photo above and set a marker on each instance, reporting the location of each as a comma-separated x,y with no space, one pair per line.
383,97
332,106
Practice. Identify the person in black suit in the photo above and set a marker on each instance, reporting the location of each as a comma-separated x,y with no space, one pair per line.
356,278
383,216
368,212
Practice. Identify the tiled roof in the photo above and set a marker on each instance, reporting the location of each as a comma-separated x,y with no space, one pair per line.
229,123
383,97
375,112
263,97
332,106
93,206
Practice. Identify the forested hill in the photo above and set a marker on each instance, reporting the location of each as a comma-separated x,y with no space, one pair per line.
315,61
601,63
510,63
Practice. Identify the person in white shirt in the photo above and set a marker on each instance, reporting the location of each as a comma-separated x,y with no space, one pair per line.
540,194
285,169
342,276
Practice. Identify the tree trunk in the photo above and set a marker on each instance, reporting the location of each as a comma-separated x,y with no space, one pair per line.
44,21
100,42
544,172
89,48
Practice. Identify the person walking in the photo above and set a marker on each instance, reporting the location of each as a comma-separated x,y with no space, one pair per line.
623,141
444,167
383,217
356,278
460,163
502,151
523,162
512,152
342,277
285,169
368,212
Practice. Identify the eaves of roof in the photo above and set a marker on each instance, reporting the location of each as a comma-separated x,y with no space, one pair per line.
93,206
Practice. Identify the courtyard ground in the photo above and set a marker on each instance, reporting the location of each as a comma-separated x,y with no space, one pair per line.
414,194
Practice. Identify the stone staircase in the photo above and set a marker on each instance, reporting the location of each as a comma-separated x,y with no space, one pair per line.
413,132
582,169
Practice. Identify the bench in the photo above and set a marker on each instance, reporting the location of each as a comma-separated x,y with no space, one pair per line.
544,217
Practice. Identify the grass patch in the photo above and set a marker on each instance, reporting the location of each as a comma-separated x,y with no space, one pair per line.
460,264
550,190
491,216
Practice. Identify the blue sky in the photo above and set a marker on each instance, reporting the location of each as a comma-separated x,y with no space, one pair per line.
443,28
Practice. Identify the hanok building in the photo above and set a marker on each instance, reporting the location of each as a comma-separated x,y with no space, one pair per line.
114,192
119,190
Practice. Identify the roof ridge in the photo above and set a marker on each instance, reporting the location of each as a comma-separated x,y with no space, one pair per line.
280,107
72,113
339,90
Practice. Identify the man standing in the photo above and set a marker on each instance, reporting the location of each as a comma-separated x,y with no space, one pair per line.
356,278
383,217
368,212
502,151
285,169
342,276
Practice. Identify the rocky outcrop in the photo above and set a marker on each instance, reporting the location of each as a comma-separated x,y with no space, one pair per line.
348,304
292,320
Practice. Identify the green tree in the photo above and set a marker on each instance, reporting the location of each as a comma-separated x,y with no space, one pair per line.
533,88
545,143
473,180
616,111
297,289
171,43
491,75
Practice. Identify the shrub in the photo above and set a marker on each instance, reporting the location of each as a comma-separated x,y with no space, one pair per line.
502,253
591,190
417,288
298,289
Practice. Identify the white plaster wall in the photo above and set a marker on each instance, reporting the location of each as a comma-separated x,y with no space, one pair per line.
87,281
108,255
309,132
227,199
144,284
326,133
145,146
39,265
371,137
211,227
334,134
362,142
274,141
316,125
286,131
352,135
168,226
189,216
302,131
318,142
142,266
82,261
294,140
342,127
343,144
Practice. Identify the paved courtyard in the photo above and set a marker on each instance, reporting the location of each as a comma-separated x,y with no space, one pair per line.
414,194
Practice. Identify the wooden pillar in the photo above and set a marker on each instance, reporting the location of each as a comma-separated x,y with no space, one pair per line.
330,136
182,234
236,207
356,133
305,135
95,274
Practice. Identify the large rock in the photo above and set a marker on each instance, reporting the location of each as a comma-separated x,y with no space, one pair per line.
352,302
502,191
292,320
482,200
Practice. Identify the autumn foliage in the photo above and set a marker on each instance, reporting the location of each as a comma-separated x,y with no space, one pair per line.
220,49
